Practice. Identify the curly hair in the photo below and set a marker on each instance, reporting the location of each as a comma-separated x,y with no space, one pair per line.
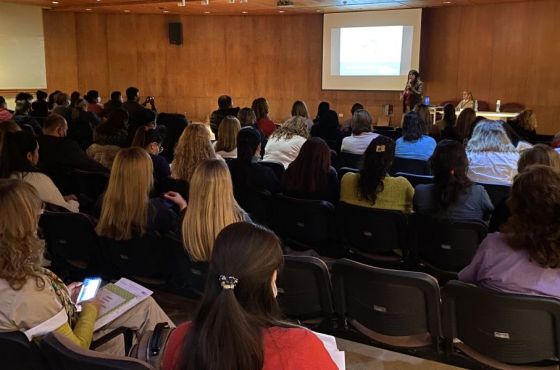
534,224
193,147
378,157
490,136
20,248
296,125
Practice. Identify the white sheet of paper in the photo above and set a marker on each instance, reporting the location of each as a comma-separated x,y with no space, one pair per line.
337,356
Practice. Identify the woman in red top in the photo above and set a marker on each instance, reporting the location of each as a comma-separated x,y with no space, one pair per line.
264,123
237,325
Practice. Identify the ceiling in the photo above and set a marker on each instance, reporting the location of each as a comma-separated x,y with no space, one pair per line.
232,7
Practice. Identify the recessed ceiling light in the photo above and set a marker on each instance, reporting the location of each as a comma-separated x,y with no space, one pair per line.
98,1
88,9
127,11
244,12
281,11
54,2
166,11
447,2
318,10
206,12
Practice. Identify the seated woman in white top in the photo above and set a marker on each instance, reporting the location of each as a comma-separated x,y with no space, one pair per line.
226,146
492,156
284,144
361,133
19,158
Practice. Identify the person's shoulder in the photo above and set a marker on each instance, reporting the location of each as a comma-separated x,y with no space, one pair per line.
423,188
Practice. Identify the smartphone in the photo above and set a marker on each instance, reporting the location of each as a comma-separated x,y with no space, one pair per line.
89,289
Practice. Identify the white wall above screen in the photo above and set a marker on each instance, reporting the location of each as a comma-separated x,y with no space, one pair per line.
370,50
22,45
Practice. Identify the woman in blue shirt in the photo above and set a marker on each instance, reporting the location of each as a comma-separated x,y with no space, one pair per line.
414,144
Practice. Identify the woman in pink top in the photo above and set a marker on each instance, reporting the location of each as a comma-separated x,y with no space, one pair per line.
525,258
237,325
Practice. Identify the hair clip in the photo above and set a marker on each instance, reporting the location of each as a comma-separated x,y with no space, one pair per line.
227,282
380,148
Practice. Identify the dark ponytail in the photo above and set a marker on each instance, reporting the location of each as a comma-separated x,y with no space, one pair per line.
15,147
378,157
227,331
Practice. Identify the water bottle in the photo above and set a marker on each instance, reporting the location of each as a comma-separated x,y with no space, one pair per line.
498,103
476,105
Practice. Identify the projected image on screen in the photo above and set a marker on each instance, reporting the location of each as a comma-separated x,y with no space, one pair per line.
371,51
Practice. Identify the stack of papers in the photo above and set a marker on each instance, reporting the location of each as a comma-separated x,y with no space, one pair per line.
337,356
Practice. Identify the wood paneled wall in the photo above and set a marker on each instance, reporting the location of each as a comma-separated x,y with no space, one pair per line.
501,51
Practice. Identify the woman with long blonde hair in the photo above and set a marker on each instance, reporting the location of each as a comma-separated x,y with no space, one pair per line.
127,210
284,144
193,147
34,297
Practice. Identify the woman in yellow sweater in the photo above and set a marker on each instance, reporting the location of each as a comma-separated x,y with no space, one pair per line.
373,187
34,300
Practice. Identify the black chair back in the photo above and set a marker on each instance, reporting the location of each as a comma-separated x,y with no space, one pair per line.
349,160
277,167
304,288
416,179
91,184
71,242
445,244
334,159
412,166
18,353
497,327
62,354
174,124
397,308
305,224
373,233
497,193
393,134
344,170
256,204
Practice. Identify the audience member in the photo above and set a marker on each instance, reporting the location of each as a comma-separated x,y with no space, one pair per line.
52,98
5,114
445,128
94,102
114,131
328,129
33,295
467,102
464,124
346,125
452,195
525,125
323,108
310,175
539,154
239,322
5,127
226,146
492,156
74,97
40,107
193,148
264,123
284,144
247,117
62,106
518,142
136,111
524,258
225,108
83,122
19,158
247,174
425,117
300,109
24,96
414,144
24,120
151,140
373,187
361,133
212,207
115,102
127,210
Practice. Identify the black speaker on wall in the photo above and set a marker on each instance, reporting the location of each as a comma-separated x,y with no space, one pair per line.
176,33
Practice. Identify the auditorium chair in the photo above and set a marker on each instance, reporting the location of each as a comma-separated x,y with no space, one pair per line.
412,166
392,134
256,204
62,354
373,235
175,124
497,193
450,101
444,246
71,242
397,309
277,167
305,292
542,139
483,106
306,224
383,128
344,170
501,330
334,159
416,179
18,353
349,160
91,184
511,107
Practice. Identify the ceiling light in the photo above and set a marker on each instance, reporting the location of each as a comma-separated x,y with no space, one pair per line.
88,9
127,11
447,2
166,11
242,1
54,2
281,11
318,10
206,12
231,1
244,12
182,3
204,2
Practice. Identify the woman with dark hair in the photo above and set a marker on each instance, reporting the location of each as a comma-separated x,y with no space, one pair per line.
373,187
40,107
24,120
18,160
525,256
452,195
114,131
81,127
413,91
52,98
94,102
238,324
150,140
323,108
445,128
310,175
328,129
525,125
264,123
414,144
464,124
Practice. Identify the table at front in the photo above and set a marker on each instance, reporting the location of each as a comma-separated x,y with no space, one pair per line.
490,115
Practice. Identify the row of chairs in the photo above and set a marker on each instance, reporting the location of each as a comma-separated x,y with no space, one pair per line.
405,311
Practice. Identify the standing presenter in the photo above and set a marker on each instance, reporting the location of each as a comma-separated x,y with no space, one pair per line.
413,90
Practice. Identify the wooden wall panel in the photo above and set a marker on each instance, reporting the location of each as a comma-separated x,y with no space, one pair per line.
499,51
